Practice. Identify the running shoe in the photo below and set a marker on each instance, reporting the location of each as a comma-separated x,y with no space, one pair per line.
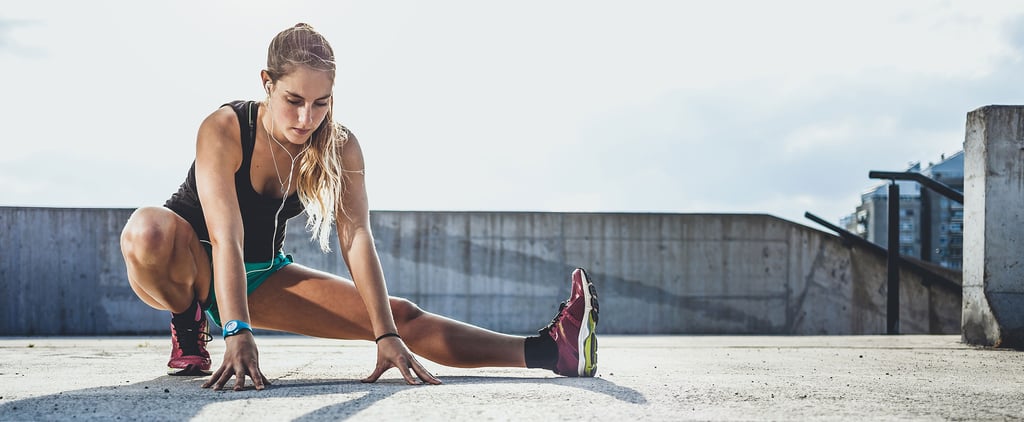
188,346
573,329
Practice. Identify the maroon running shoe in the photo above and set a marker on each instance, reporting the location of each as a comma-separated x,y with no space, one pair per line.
188,346
573,329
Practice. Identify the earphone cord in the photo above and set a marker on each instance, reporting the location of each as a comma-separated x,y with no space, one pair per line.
284,187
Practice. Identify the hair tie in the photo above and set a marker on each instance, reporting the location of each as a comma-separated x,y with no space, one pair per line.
386,335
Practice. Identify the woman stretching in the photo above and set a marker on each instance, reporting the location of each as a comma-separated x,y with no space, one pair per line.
214,251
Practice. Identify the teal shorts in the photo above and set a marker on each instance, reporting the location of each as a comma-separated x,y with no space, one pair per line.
255,274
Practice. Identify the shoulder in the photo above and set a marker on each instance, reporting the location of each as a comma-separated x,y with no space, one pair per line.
218,137
351,152
221,119
343,133
220,127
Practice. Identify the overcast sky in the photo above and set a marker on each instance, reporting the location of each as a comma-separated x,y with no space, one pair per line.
774,107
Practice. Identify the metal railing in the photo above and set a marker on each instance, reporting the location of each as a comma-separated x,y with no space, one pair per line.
892,309
935,185
928,276
892,251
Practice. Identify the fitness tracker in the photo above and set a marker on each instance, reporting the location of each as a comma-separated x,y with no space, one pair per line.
234,327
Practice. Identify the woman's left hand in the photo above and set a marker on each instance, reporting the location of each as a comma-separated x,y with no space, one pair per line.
392,353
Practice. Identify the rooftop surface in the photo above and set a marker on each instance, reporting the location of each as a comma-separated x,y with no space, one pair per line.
640,378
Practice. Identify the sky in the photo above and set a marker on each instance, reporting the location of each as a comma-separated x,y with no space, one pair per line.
778,107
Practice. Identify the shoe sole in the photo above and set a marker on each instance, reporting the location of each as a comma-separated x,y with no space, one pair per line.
193,370
588,337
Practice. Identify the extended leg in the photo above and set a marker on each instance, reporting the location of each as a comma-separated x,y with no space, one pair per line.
305,301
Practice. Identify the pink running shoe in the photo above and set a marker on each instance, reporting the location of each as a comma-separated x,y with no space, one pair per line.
188,346
573,329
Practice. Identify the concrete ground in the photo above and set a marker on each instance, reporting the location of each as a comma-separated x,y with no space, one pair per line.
640,378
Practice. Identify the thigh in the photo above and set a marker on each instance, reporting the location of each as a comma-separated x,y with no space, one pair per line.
305,301
160,247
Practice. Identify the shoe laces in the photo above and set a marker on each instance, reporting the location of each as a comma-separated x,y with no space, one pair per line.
189,339
558,317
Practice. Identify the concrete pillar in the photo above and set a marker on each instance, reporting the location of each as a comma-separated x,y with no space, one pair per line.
993,267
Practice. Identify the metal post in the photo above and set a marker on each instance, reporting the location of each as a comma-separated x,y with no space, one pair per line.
925,225
892,310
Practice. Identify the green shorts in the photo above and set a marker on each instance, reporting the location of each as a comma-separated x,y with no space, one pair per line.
255,274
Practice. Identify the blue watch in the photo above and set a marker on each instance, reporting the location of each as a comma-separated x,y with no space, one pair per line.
234,327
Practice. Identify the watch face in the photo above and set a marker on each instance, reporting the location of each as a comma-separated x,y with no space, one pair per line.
230,326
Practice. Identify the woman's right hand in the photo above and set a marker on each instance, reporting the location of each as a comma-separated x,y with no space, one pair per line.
240,359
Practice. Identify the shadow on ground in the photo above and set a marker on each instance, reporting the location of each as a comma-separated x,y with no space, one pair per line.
181,398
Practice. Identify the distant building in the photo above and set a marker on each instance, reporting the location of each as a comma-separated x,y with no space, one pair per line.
930,226
944,242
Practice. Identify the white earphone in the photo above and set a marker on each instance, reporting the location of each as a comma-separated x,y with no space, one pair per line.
284,185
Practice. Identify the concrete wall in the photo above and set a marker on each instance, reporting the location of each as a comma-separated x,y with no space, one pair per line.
993,305
61,273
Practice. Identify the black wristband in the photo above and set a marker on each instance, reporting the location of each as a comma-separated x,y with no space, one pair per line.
386,335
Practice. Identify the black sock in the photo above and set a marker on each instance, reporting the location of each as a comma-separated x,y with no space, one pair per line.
189,316
541,352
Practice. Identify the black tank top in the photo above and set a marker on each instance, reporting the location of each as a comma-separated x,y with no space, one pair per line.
262,238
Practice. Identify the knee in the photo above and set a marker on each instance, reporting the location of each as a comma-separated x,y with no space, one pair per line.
404,310
146,238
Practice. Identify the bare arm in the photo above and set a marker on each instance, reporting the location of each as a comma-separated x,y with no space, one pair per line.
357,248
218,157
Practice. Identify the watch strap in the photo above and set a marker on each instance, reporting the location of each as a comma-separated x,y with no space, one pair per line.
235,326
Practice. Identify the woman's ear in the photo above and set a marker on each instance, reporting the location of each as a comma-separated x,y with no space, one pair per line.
267,82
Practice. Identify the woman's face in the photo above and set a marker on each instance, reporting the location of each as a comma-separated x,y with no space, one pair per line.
298,103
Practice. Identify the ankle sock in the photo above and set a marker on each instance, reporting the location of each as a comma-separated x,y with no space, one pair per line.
541,352
189,316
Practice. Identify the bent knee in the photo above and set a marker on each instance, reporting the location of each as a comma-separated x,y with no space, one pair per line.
147,235
404,310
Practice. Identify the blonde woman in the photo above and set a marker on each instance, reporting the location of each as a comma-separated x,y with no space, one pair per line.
214,251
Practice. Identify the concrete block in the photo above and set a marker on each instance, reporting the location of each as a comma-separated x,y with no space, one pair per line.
993,303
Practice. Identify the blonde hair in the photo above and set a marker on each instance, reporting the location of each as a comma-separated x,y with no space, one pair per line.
321,174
